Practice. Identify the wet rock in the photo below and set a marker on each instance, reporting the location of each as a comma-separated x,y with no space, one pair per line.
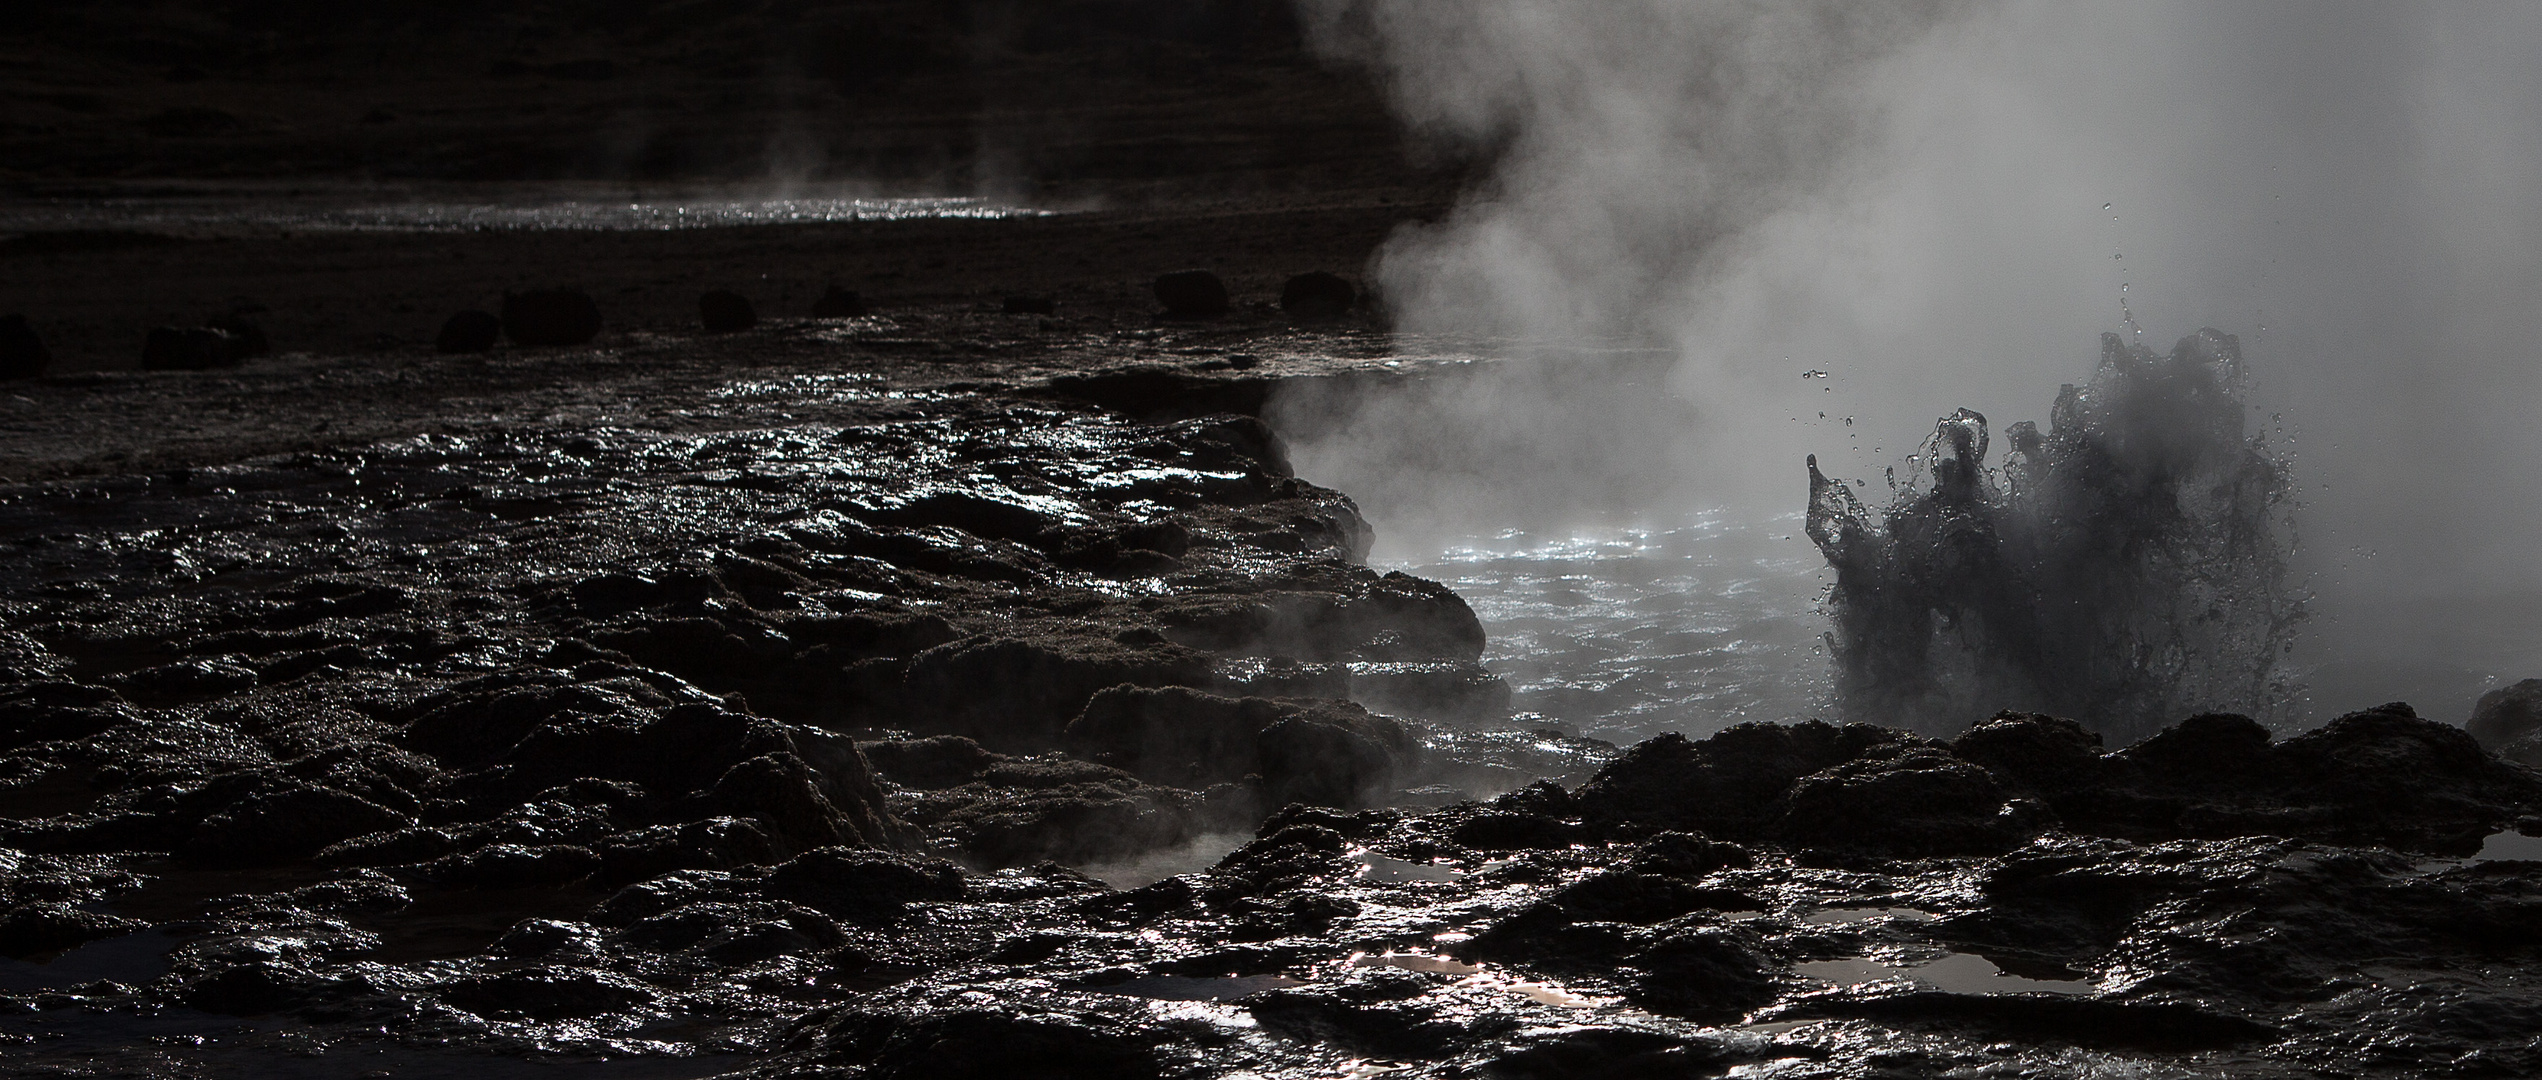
1330,753
779,791
1018,694
247,338
1191,294
394,847
200,349
939,761
1620,1053
469,331
838,303
2507,719
285,825
1730,784
1699,969
1030,305
862,886
550,317
1316,296
42,928
979,1043
724,312
716,843
1907,800
548,993
22,352
516,866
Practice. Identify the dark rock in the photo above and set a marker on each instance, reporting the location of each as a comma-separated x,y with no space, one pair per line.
1616,1053
1031,305
1016,695
285,825
939,761
1329,753
982,1043
862,886
548,993
1701,970
201,349
1191,294
838,303
395,847
2034,753
469,332
781,793
37,929
515,866
2507,719
247,338
725,312
1316,295
716,843
550,317
1730,784
22,353
1907,799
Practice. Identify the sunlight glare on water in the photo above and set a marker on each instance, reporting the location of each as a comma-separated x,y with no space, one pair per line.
1627,632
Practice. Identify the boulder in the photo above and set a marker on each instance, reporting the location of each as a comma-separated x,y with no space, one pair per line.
22,353
1316,296
469,331
550,317
2508,721
838,303
247,338
200,349
1731,784
861,885
725,312
1325,753
1191,294
1031,305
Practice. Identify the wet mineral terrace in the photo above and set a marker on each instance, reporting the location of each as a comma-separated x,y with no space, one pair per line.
914,703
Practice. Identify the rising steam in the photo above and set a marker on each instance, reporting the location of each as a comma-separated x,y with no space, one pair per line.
1942,204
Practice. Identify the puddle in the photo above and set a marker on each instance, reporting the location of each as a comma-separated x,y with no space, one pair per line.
1196,988
1484,977
2509,846
1424,962
2504,846
1958,973
1389,871
1847,916
132,959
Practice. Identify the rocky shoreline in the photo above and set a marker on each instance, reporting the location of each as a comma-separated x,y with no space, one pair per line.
962,694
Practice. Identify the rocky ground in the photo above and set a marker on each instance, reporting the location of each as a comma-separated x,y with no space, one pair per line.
947,692
883,697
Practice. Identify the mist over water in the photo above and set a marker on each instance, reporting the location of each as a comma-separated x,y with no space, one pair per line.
1837,225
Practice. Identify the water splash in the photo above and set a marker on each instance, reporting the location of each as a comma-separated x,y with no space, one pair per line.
2126,568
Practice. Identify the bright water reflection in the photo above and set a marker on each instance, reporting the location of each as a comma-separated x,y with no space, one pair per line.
1628,632
528,211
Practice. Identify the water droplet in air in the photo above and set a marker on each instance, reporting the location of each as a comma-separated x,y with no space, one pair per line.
2106,206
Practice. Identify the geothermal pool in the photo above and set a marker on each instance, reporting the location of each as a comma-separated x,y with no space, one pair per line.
1620,634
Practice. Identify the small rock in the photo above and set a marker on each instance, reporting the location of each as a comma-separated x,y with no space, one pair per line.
2506,719
1316,296
838,303
550,317
469,331
726,312
201,349
22,353
1192,293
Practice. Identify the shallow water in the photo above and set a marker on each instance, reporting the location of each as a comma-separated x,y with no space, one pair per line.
518,209
1958,973
1628,632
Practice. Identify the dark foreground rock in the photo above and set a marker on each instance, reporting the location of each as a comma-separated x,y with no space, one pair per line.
990,736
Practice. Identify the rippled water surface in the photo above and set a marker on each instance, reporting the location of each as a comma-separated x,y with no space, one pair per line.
521,210
1629,632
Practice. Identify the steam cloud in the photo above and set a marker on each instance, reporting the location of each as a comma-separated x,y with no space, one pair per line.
1943,205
